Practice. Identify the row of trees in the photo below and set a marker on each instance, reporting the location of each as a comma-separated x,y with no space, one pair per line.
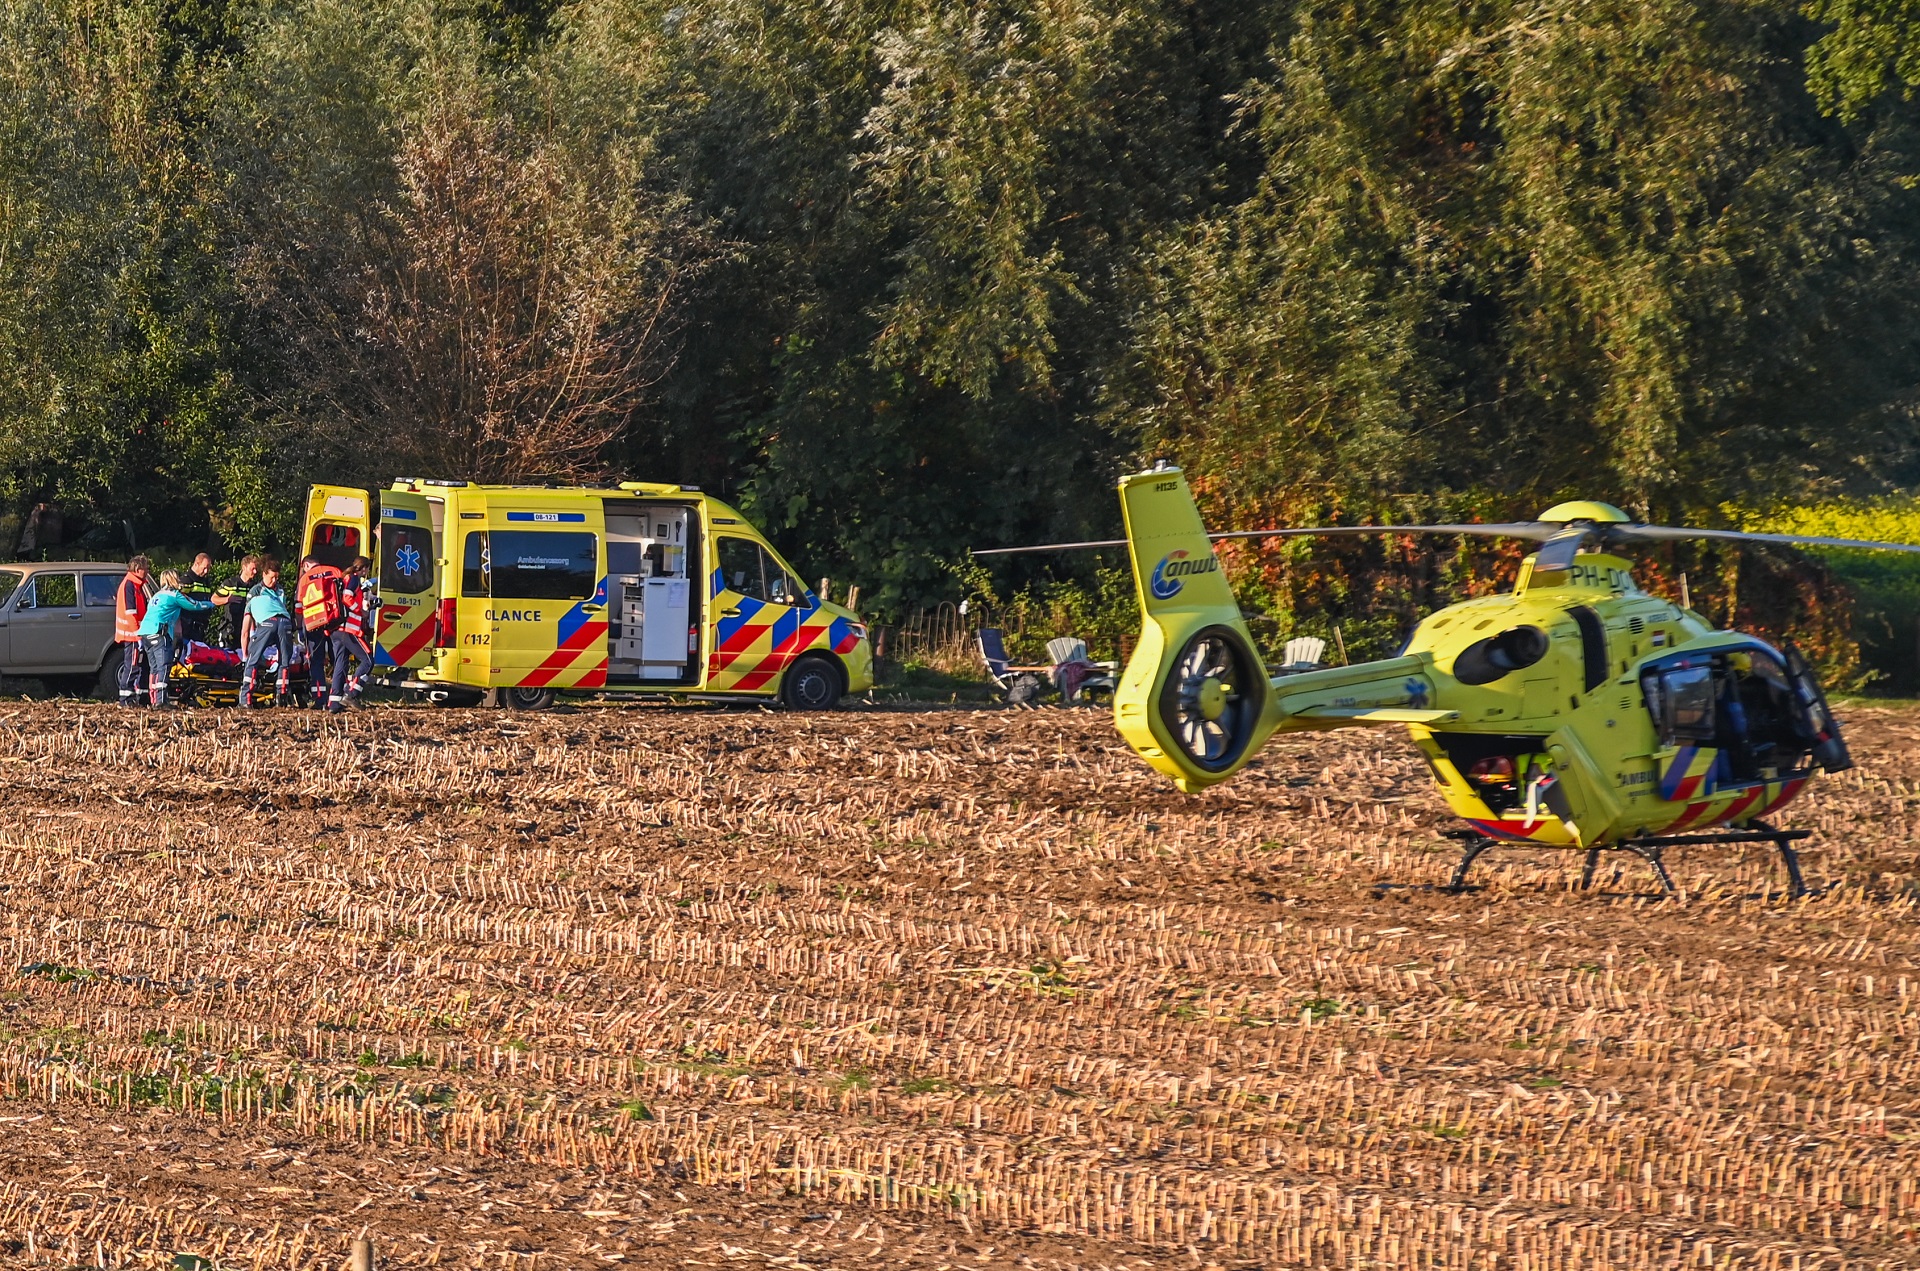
904,276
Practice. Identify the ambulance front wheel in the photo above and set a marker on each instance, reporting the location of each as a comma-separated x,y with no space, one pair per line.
812,684
527,699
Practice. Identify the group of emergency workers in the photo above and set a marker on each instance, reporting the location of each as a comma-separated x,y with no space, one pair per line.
329,615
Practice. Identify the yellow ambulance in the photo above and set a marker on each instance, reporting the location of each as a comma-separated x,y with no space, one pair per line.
533,591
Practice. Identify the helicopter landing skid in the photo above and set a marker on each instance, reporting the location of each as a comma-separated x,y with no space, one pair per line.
1651,849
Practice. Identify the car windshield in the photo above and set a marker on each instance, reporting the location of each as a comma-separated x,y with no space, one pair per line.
9,583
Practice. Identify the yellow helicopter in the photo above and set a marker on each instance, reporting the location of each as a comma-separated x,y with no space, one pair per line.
1574,711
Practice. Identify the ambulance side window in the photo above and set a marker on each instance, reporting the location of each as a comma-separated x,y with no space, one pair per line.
476,574
782,588
406,559
740,567
543,564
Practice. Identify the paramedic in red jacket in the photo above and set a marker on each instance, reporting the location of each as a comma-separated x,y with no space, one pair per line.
129,611
317,639
350,636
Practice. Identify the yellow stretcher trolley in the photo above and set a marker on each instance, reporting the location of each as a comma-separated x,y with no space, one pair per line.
533,591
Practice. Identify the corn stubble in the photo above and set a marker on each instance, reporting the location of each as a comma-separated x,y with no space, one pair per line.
979,966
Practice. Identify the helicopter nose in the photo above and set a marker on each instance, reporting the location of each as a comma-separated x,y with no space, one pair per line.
1212,698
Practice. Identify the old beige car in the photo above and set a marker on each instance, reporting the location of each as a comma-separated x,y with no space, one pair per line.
56,625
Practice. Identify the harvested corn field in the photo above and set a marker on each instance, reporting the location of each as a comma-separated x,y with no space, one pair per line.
674,987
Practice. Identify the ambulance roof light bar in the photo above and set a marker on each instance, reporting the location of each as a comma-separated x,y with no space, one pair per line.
657,487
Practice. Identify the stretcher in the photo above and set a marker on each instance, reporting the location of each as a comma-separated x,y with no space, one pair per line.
209,675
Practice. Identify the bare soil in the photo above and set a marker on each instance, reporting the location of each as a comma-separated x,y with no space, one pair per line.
681,987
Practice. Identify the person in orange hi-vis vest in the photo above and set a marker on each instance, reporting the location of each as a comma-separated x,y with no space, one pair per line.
129,611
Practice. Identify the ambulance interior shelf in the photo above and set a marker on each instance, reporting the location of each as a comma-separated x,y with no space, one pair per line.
652,629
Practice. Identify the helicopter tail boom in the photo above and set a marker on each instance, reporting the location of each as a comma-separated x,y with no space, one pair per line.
1195,700
1390,691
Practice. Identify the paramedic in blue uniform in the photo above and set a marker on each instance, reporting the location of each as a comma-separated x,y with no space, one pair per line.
350,637
168,606
269,622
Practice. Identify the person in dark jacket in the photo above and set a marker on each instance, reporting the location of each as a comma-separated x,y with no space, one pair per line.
197,584
238,588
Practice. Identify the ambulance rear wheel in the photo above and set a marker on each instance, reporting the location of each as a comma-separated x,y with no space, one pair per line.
812,684
527,699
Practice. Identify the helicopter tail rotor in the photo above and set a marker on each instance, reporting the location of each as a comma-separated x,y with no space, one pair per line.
1194,698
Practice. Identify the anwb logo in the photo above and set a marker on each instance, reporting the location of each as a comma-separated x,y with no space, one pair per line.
1165,583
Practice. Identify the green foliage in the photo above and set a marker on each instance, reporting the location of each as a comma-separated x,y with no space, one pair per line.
904,278
1872,48
1886,585
1104,612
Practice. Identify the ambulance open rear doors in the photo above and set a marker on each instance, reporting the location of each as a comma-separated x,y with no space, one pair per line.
408,567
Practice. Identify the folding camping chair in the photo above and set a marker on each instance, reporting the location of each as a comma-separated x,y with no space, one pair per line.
1302,653
1021,683
1074,673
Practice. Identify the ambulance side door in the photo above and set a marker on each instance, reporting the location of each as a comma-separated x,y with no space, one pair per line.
336,525
548,571
409,581
751,605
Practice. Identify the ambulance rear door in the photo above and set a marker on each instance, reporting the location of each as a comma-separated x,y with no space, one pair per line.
336,528
409,575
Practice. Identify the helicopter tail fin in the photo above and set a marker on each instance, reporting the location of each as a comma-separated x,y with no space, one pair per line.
1194,699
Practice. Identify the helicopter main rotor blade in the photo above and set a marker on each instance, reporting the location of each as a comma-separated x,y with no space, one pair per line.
1557,553
1510,529
1670,533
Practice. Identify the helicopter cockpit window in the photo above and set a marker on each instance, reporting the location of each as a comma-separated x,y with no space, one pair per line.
1743,703
1690,699
1681,700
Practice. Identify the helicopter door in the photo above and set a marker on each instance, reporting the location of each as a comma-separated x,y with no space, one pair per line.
1815,718
1579,795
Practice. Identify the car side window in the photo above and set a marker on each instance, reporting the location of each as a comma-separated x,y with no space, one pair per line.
9,583
740,567
96,590
51,591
